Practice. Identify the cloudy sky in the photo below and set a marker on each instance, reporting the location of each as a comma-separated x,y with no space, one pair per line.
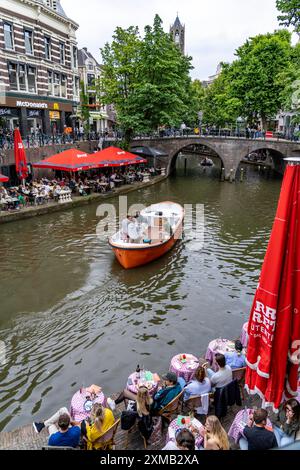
214,28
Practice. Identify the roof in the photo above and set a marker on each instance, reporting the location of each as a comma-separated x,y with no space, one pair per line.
177,23
84,55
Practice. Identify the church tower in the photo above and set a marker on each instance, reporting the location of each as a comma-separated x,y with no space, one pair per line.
178,34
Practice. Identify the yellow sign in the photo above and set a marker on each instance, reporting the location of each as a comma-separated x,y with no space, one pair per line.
56,106
54,114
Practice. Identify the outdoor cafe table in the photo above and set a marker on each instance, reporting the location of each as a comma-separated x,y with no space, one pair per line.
150,381
80,408
186,424
185,368
239,423
216,346
244,335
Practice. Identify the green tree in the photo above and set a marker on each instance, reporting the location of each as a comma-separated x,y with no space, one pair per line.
147,79
290,10
220,107
254,76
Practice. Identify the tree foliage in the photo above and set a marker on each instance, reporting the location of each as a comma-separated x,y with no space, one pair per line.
290,10
146,78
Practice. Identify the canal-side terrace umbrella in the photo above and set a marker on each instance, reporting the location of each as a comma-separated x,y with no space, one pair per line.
274,326
145,151
3,179
20,156
114,156
74,160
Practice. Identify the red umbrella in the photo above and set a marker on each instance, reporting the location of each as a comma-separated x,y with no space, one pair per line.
3,179
274,326
20,156
69,160
75,160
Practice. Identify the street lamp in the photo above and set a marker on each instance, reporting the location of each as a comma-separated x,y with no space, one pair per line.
239,121
200,117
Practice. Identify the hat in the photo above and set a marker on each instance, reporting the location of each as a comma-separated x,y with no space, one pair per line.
171,377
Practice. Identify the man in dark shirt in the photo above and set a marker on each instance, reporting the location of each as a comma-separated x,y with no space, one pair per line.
257,437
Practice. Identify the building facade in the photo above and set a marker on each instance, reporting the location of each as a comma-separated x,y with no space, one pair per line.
101,117
177,30
39,78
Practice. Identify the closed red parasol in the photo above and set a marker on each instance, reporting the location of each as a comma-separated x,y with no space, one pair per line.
20,156
274,326
3,179
75,160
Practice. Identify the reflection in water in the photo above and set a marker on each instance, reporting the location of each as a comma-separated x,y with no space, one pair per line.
70,315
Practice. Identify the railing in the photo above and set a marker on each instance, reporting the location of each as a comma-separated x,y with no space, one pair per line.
42,140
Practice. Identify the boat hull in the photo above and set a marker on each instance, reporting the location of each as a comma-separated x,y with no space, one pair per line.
133,257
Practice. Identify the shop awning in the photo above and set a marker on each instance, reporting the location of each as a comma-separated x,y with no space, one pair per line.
75,160
3,179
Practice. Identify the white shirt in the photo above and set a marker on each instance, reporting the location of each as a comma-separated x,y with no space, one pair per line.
222,378
171,446
125,224
133,230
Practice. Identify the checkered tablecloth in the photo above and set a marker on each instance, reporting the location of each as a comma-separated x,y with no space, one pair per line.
186,369
134,382
240,421
220,346
174,426
77,411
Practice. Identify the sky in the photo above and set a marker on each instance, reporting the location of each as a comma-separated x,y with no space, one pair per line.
214,28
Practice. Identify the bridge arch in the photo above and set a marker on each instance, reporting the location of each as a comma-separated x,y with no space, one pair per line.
181,147
277,162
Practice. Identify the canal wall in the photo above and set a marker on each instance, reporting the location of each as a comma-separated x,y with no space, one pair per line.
78,201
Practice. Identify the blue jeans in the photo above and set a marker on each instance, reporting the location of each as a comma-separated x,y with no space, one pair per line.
282,438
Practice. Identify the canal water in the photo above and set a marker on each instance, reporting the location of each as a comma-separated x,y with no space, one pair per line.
71,316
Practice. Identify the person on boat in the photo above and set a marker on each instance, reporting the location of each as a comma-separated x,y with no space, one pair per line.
125,224
134,231
101,420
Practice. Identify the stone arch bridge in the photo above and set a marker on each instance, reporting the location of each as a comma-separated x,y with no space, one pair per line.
230,150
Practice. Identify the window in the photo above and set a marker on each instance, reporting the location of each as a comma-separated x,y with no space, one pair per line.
8,36
76,87
64,86
50,83
92,100
31,77
12,72
91,67
62,52
90,80
56,84
47,42
28,41
22,77
75,61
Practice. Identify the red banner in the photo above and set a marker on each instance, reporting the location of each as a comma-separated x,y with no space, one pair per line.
20,156
274,326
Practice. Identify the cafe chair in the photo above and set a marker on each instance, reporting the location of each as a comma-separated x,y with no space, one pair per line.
171,408
226,396
107,441
191,404
239,375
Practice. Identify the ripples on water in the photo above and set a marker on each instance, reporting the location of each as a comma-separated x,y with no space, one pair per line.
70,315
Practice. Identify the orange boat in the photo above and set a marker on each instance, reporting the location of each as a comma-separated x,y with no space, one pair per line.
150,236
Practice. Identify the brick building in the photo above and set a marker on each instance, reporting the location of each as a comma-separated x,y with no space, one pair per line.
39,78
